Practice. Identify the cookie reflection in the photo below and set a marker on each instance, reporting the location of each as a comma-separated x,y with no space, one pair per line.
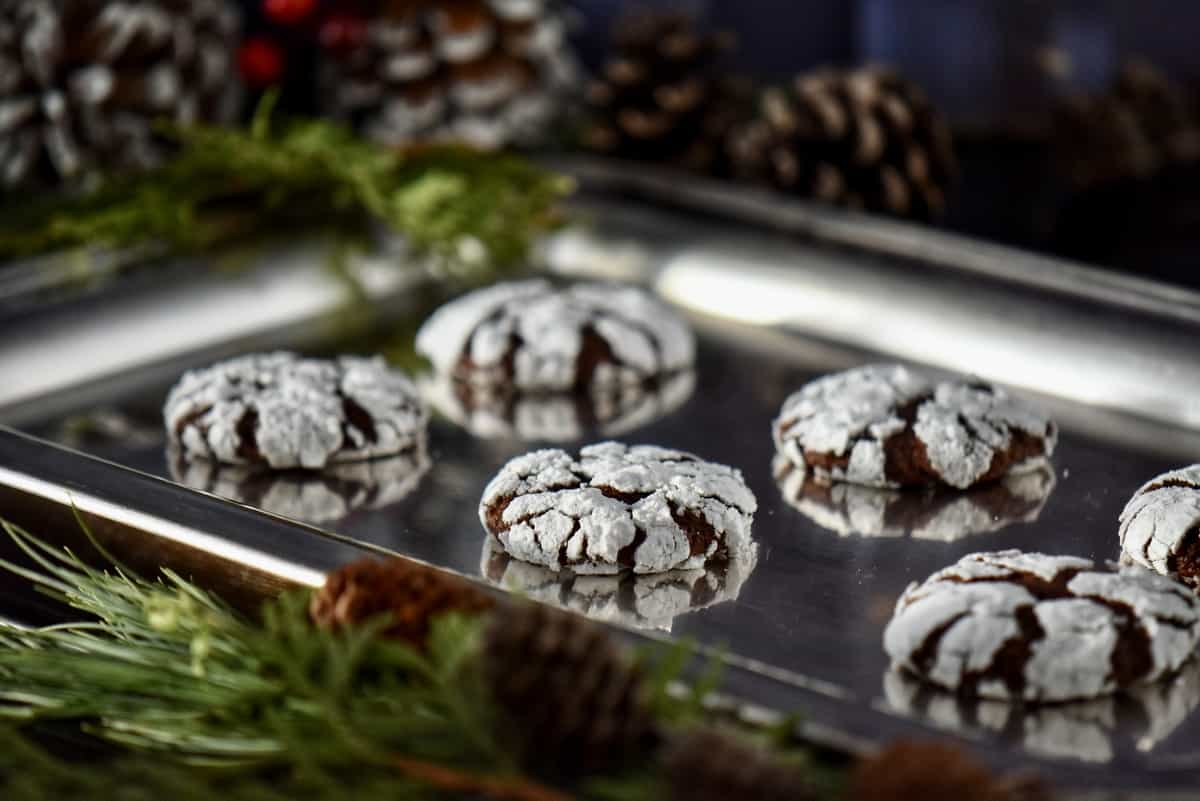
606,411
1090,731
945,515
309,496
644,601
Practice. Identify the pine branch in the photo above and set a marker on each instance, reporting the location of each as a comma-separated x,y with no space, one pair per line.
475,213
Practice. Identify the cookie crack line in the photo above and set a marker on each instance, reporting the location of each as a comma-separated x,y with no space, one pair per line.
640,508
534,336
1039,628
884,426
284,411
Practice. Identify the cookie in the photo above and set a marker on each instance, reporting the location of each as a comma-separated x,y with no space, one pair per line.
532,336
1094,731
1010,625
312,496
285,411
934,514
885,426
1160,526
558,417
646,601
618,507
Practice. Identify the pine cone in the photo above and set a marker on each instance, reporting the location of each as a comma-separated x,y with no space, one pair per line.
660,98
83,81
567,690
866,139
410,592
933,771
1143,124
706,765
486,72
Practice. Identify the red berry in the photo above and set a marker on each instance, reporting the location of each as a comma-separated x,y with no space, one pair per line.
288,12
342,32
261,61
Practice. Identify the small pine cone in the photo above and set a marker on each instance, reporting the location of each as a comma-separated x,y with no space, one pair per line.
410,592
1143,124
1171,122
568,691
706,765
82,82
933,771
660,98
864,138
490,73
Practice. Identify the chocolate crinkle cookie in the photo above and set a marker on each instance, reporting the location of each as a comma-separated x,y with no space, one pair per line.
1160,526
1032,627
285,411
937,513
885,426
533,336
618,507
644,601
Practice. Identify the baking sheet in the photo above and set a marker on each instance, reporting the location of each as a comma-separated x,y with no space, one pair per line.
779,294
814,605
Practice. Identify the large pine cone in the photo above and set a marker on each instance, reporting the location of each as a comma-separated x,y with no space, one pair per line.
934,771
864,138
486,72
660,97
571,698
706,765
412,593
83,81
1143,124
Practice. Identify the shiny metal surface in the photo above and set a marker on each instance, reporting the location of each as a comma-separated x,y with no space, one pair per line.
810,613
803,623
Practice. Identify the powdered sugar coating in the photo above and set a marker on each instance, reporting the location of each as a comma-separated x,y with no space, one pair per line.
644,601
885,426
1011,625
941,514
1160,526
534,336
618,507
286,411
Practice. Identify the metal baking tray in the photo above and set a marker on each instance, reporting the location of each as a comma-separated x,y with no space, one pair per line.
779,293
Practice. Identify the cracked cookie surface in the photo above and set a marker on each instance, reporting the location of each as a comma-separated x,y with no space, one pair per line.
618,507
533,336
1160,526
886,426
1038,628
285,411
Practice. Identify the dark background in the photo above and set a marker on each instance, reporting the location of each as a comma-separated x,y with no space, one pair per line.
997,69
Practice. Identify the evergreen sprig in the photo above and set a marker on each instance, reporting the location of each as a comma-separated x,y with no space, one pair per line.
474,212
196,694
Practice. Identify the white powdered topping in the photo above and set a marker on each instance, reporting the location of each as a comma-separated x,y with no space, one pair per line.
645,601
1160,518
287,412
944,515
541,329
1059,632
851,419
583,514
